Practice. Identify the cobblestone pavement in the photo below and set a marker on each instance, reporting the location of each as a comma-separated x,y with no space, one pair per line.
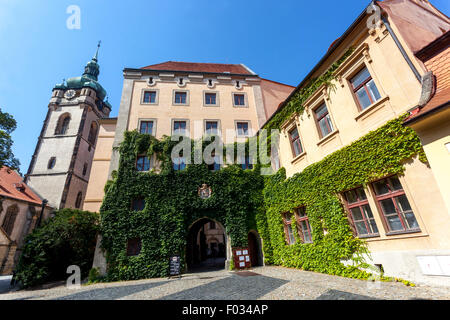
268,283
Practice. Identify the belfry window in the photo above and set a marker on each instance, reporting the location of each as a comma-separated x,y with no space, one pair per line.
63,124
92,133
78,200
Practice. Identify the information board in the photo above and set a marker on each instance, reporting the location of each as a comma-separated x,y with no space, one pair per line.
174,265
241,258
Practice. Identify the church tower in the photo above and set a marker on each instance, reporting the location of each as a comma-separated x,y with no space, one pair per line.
60,167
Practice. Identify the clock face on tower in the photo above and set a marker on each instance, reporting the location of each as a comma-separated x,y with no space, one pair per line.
69,94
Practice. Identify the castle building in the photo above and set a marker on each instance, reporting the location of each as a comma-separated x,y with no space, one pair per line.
61,164
170,97
399,65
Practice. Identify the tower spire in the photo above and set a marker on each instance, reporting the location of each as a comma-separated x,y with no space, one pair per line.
96,53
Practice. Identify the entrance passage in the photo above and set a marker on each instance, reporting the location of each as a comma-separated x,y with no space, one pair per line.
206,246
254,246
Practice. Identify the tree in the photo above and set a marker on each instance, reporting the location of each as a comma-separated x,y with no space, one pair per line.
69,238
7,126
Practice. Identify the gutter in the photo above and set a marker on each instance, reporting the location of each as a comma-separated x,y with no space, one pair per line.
425,114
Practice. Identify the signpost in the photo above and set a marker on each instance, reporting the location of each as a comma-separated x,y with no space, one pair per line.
174,266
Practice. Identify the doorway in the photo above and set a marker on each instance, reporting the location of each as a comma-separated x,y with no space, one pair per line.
254,247
206,246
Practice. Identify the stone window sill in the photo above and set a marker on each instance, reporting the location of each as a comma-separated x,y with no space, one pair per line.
327,138
299,157
371,107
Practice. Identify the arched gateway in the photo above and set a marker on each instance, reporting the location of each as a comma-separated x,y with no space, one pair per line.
206,246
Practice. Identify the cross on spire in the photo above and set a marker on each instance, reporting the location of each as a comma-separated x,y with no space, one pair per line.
98,47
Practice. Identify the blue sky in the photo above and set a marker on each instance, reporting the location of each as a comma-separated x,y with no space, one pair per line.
280,40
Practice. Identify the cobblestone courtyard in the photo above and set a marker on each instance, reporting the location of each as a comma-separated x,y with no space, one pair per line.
268,283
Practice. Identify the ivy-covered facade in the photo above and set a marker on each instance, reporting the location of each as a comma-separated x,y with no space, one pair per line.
342,133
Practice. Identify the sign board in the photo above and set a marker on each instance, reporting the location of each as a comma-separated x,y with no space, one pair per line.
241,258
435,265
174,265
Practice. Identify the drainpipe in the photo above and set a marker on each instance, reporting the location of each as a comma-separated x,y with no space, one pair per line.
402,50
44,203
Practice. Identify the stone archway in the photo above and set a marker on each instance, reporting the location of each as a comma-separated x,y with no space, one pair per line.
255,249
206,247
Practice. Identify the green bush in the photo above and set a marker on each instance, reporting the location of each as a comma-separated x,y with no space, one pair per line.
67,239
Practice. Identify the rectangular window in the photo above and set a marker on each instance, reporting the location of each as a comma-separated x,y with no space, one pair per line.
324,120
134,247
239,100
179,127
394,205
365,89
211,127
179,164
288,228
149,96
360,213
295,142
304,229
210,99
242,129
180,97
143,163
138,204
245,163
146,127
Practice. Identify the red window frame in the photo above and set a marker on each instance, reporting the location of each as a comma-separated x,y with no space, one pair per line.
301,216
363,84
359,203
180,127
179,95
318,119
295,141
239,125
145,160
392,194
151,95
239,99
146,123
209,97
211,129
288,223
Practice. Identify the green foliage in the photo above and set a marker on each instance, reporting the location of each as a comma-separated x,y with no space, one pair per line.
380,153
68,238
7,126
172,205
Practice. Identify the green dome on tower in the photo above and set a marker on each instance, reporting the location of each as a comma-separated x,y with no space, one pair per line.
88,79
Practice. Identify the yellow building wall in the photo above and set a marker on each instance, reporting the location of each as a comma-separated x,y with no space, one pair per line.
100,166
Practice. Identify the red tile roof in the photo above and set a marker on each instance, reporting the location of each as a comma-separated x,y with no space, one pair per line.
436,57
12,186
199,67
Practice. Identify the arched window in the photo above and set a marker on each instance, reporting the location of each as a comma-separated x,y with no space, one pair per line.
10,218
93,132
78,201
63,124
51,163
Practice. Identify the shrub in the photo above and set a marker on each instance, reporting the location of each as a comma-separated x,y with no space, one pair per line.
68,238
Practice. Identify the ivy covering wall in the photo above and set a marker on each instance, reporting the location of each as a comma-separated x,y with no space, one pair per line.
243,200
172,205
378,154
